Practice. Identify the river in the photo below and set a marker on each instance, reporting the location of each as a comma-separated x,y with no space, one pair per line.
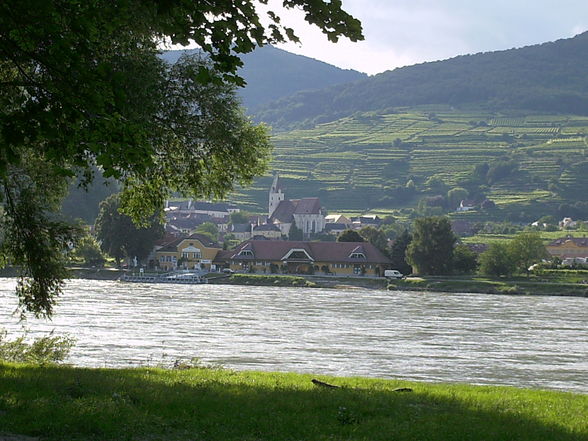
525,341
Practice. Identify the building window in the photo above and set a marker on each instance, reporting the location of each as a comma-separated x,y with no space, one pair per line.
357,256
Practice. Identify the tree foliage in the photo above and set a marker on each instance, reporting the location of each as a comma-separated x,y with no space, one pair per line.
209,229
350,236
295,233
120,237
82,86
518,254
431,248
497,260
465,261
527,248
398,252
88,250
376,237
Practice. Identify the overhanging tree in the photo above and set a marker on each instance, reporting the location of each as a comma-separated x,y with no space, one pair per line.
81,86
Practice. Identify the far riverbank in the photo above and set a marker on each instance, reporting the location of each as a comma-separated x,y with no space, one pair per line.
450,284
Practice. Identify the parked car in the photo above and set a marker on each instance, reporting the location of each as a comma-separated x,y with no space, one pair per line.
393,274
228,271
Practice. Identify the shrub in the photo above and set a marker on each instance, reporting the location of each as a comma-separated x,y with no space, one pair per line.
43,350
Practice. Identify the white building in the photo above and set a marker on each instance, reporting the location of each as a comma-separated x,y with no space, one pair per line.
307,213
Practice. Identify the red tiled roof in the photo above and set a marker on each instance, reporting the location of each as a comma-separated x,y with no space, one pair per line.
318,251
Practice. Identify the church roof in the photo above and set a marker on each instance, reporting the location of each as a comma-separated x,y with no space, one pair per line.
284,212
308,206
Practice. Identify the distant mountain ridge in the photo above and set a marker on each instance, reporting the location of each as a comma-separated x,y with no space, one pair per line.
549,77
272,74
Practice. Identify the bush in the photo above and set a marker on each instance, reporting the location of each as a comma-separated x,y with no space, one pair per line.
44,350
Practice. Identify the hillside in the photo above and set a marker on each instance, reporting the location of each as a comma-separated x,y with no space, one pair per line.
528,164
549,77
272,73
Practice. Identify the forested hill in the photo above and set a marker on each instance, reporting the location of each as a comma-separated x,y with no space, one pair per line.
547,77
272,73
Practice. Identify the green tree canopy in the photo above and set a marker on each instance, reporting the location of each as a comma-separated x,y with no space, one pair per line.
398,252
83,86
350,236
455,196
209,229
295,233
376,237
88,250
239,217
120,237
527,248
431,249
465,261
497,260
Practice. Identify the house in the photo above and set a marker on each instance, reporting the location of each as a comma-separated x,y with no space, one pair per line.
365,221
193,252
269,231
567,223
212,209
335,228
240,231
338,219
306,213
302,257
466,205
569,248
184,224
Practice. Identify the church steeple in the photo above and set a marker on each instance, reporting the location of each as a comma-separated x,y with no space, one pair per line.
276,195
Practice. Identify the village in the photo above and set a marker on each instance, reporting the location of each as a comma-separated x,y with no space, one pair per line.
297,236
276,243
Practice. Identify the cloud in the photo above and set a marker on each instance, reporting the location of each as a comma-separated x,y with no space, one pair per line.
402,32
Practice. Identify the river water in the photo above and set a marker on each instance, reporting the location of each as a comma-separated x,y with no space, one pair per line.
539,342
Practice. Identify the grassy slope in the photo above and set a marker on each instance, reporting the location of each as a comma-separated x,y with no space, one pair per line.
62,403
350,162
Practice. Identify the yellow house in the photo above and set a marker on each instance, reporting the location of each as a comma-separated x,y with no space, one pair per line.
301,257
193,252
569,247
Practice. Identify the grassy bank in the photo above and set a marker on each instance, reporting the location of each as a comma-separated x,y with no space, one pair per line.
476,284
267,280
64,403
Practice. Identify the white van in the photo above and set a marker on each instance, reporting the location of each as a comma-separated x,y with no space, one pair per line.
393,274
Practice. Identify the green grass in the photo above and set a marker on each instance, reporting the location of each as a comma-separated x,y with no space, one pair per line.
64,403
269,280
548,282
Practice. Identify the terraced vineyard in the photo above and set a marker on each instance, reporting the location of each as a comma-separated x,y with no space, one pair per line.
353,163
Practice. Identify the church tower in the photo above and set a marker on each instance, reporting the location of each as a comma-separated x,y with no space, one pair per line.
276,195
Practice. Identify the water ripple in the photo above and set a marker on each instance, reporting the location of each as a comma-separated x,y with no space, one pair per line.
483,339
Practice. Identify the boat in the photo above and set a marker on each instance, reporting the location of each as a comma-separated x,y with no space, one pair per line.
180,277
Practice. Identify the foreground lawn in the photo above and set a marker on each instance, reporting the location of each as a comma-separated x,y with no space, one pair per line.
62,403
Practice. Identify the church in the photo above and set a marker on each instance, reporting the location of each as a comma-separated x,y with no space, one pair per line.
306,213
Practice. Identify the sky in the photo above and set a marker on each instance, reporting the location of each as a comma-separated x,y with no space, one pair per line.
405,32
